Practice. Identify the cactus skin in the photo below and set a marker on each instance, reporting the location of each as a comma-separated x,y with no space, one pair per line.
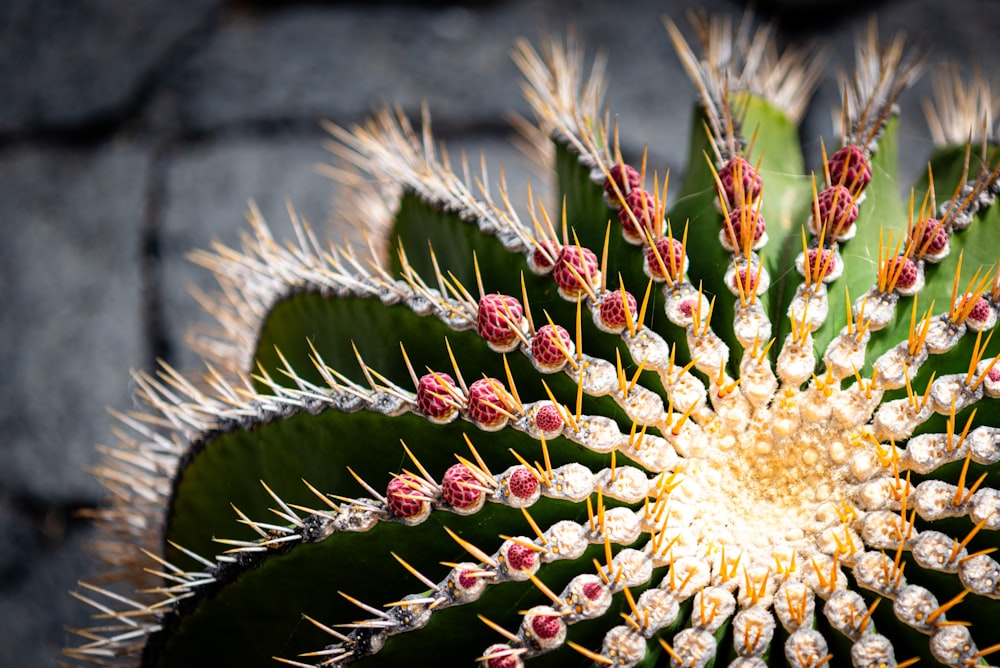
503,428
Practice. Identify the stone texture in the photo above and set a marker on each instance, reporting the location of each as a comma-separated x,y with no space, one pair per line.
33,594
66,63
359,57
458,59
18,538
71,314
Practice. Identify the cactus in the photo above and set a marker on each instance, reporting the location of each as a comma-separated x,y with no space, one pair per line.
479,440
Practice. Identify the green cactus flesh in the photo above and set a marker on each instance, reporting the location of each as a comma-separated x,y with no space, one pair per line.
389,462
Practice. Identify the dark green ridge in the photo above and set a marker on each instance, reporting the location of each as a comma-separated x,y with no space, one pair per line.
319,448
589,216
419,225
977,246
285,583
785,205
881,213
334,325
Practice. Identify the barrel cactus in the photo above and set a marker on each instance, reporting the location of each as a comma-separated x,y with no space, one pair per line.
745,421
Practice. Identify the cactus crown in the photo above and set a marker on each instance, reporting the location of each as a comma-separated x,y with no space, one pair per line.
484,416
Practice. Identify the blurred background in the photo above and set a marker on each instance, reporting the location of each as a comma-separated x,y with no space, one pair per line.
134,132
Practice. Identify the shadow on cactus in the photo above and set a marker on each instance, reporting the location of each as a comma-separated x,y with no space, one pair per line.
480,443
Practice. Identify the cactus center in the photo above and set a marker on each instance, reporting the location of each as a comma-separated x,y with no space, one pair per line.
777,476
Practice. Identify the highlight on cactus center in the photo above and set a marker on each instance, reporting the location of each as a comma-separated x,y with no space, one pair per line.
744,416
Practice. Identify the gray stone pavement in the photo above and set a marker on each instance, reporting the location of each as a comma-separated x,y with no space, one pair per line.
131,133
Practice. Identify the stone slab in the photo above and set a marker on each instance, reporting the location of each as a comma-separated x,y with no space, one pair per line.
71,311
66,63
350,59
34,599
